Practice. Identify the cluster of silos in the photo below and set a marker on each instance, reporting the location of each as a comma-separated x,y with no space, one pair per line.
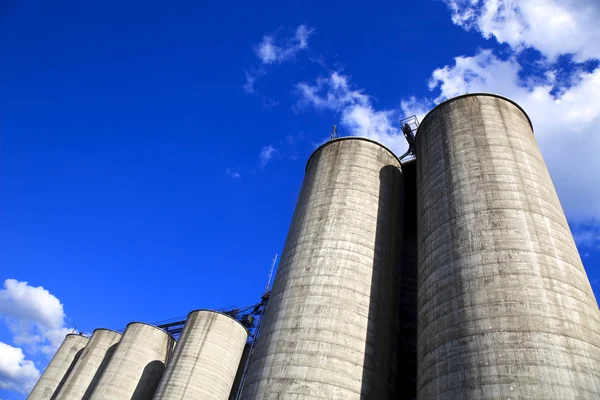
452,276
144,364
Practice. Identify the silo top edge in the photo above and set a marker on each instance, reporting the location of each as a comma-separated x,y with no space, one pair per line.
348,138
153,326
106,329
408,162
476,94
76,334
216,312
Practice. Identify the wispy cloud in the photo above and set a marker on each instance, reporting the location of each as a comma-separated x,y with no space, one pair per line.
251,77
235,174
265,155
269,103
587,236
358,113
273,51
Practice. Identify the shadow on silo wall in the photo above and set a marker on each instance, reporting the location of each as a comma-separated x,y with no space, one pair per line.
66,375
98,374
407,316
240,372
149,381
379,370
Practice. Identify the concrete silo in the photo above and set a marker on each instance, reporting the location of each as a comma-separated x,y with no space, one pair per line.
135,368
89,367
328,331
206,359
60,366
505,309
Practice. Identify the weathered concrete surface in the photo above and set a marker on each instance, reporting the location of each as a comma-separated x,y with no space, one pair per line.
328,331
135,368
206,359
505,309
89,367
58,370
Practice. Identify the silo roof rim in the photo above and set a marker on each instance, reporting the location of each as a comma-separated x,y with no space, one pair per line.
216,312
476,94
153,326
76,334
106,329
366,139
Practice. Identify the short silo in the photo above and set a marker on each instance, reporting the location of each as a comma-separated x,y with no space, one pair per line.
138,363
58,370
505,309
328,331
89,367
206,359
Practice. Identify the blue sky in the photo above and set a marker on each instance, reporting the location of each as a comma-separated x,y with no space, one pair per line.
151,154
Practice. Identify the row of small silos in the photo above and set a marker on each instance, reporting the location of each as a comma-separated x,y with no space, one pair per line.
144,363
454,276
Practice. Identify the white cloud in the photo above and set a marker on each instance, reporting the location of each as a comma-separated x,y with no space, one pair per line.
35,317
16,373
565,126
358,114
554,27
265,155
272,51
235,174
36,304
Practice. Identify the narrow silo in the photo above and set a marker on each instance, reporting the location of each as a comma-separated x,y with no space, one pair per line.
93,361
505,309
206,359
135,368
60,366
328,331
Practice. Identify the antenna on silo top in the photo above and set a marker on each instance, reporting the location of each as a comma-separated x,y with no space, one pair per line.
271,271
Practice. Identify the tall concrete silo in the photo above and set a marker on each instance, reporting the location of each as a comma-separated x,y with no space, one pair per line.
60,366
89,367
206,359
505,309
328,331
138,363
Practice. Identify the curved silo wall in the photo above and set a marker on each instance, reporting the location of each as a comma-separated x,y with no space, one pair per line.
505,309
328,331
206,359
89,367
237,382
135,368
59,368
